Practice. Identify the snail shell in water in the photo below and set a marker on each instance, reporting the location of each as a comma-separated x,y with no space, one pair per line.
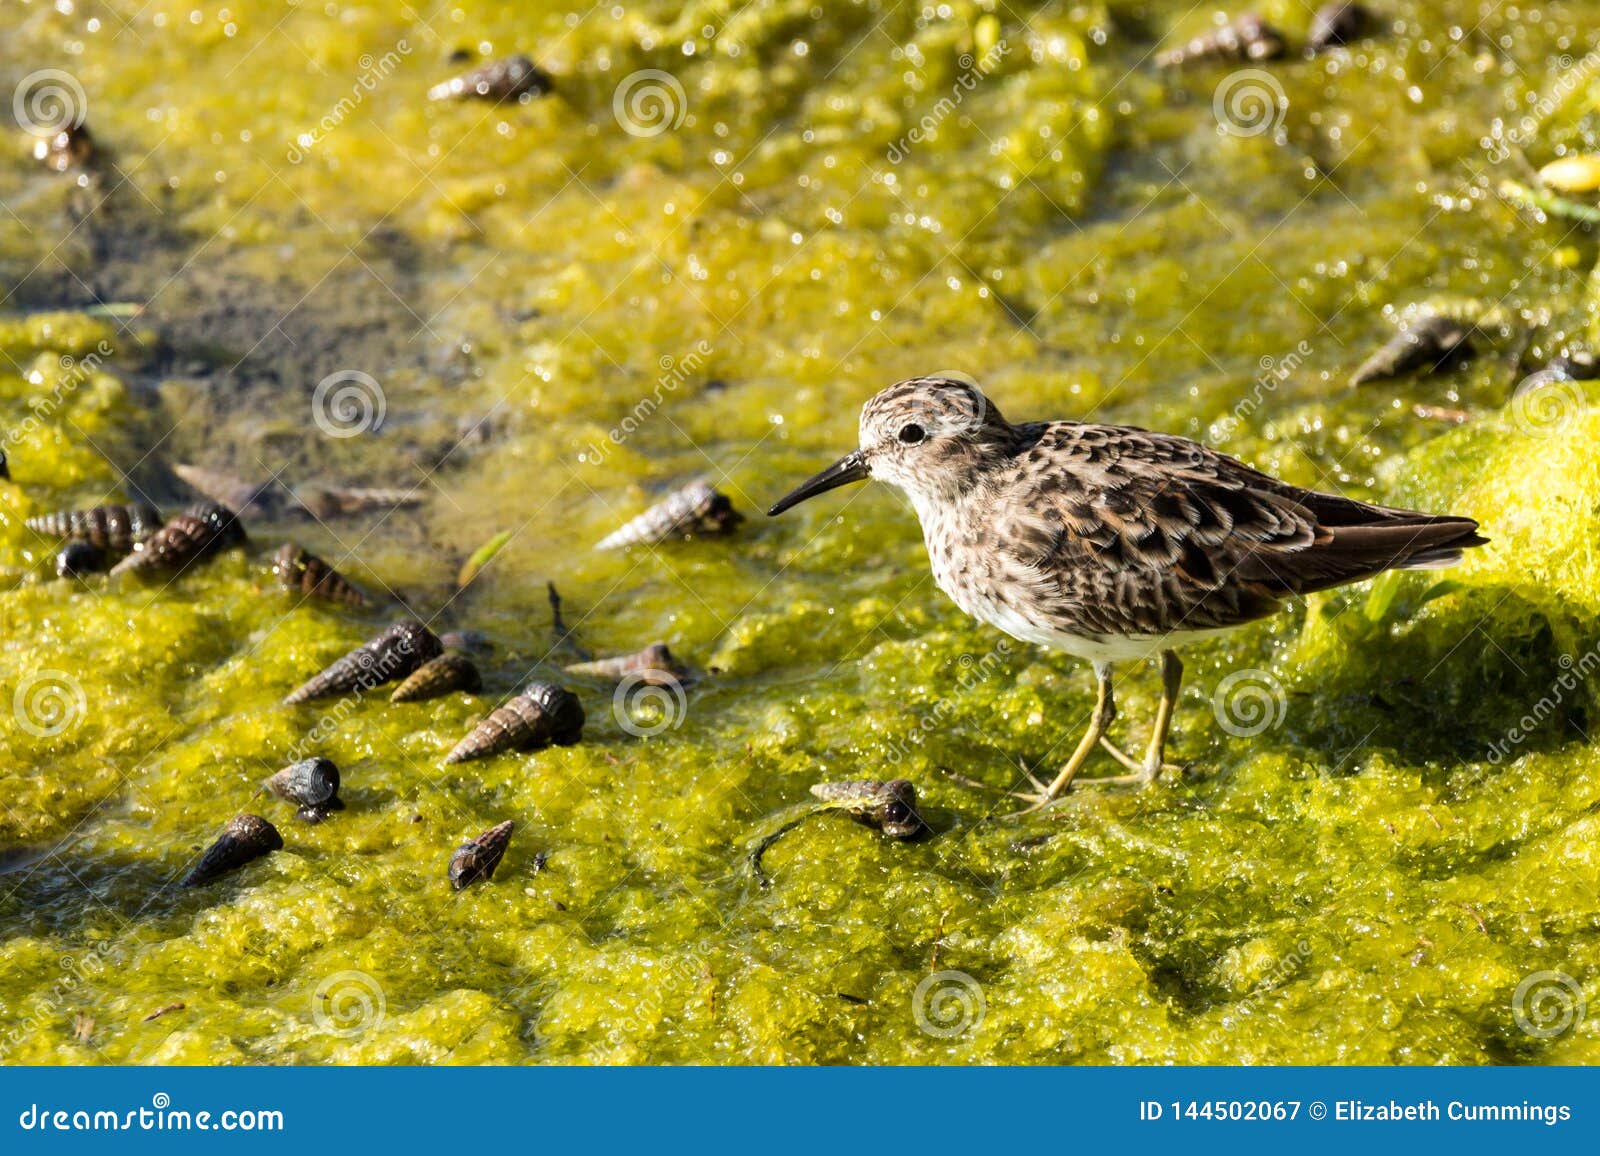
79,558
245,838
1247,37
1338,22
652,666
452,670
476,859
1431,343
395,653
889,806
510,78
200,531
116,528
312,784
542,714
697,510
302,572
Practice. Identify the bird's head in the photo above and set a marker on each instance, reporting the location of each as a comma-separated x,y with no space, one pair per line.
931,436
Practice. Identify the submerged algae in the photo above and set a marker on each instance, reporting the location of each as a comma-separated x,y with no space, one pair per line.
1364,879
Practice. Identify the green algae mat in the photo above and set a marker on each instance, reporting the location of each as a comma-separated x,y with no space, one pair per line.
725,227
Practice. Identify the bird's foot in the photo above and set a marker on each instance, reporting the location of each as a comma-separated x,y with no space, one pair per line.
1038,799
1143,771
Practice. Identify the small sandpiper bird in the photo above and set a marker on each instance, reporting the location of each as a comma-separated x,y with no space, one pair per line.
1114,543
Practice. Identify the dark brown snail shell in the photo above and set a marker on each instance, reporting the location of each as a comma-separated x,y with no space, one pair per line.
889,806
697,510
1337,22
245,838
200,531
115,528
451,671
79,558
543,714
509,78
312,784
476,859
395,653
1430,344
1246,37
303,573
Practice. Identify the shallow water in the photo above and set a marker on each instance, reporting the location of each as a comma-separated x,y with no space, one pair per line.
565,319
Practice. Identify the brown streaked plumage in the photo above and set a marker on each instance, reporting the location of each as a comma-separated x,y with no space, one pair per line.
1115,543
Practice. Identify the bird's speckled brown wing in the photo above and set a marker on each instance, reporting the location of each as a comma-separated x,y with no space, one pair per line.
1139,532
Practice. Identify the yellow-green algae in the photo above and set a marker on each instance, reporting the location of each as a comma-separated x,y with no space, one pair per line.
1361,883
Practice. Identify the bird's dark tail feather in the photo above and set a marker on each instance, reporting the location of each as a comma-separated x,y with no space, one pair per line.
1392,540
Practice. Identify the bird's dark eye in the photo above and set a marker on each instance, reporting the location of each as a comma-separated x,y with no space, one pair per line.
911,434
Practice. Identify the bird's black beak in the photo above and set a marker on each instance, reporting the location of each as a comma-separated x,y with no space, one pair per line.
850,468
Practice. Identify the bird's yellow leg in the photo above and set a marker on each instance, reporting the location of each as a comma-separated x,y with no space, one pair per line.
1105,710
1155,754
